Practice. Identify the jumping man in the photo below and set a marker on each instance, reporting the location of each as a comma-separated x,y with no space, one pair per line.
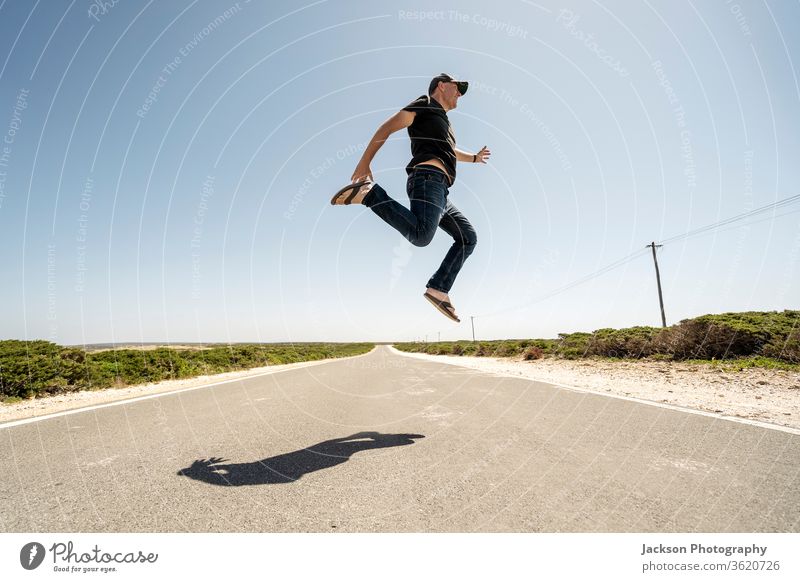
431,172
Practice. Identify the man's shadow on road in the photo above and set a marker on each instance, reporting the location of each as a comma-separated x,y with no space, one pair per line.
291,466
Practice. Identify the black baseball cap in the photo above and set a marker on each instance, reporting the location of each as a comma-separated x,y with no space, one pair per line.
462,85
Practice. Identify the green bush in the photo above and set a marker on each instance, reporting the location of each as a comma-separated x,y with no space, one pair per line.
784,348
506,349
633,342
532,353
28,367
727,335
41,367
753,338
573,345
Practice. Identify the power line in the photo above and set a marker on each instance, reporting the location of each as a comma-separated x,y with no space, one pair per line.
584,279
756,221
738,217
637,254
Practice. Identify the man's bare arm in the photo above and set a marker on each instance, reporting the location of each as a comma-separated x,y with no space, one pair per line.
481,156
463,156
396,122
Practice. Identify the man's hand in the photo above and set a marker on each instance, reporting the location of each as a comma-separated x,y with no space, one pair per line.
482,155
362,172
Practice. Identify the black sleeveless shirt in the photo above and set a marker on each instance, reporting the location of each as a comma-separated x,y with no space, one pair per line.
431,135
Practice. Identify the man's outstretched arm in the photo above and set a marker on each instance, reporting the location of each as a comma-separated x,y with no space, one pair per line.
479,157
396,122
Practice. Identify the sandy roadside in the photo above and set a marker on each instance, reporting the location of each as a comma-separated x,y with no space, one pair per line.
771,396
75,400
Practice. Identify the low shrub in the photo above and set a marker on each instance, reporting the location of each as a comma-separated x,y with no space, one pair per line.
761,338
506,350
787,348
633,342
723,336
40,367
533,353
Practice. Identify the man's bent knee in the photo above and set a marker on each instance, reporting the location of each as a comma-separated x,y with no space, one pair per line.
421,240
468,239
422,237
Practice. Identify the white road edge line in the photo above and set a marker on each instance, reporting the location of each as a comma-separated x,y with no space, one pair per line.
295,366
757,423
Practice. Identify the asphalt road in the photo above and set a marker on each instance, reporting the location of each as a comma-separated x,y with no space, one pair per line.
384,442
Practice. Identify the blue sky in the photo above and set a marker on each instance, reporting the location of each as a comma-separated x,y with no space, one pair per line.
166,168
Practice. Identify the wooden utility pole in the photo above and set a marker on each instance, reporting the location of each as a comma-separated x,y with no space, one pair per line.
472,321
653,246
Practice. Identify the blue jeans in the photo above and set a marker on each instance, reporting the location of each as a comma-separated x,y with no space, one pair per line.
430,208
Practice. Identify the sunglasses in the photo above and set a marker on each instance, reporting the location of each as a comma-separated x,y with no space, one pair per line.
460,85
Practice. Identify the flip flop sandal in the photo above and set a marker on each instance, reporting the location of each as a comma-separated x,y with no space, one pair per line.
342,197
444,306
